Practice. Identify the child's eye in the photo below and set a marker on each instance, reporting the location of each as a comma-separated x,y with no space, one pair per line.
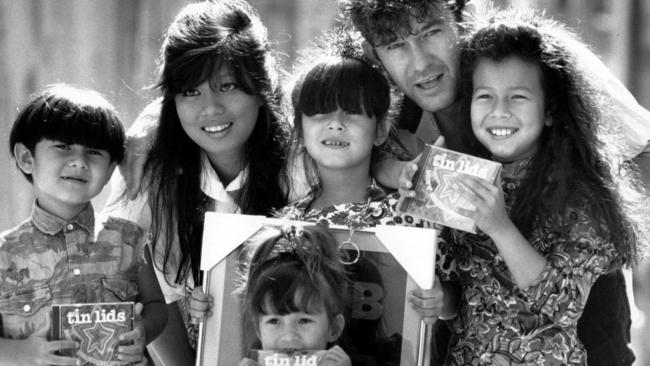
352,112
95,152
305,321
272,321
191,92
226,87
62,146
483,96
519,96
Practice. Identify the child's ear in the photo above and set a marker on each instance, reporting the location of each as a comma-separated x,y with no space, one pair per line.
24,158
382,132
336,328
548,121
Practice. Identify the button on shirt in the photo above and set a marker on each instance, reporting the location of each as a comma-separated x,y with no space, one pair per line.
46,260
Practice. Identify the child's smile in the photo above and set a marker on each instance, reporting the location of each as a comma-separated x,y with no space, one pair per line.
336,143
502,132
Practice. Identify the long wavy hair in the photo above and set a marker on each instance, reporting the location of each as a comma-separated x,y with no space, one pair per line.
203,37
579,159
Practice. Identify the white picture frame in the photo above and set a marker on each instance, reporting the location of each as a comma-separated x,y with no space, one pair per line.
399,253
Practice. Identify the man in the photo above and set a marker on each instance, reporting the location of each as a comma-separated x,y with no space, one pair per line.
416,43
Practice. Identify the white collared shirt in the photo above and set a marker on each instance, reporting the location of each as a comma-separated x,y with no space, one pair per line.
139,212
212,186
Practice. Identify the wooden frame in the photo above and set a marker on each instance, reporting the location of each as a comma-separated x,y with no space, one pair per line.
395,252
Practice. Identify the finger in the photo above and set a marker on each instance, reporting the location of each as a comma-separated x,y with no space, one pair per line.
201,304
132,349
130,357
434,303
137,309
53,359
247,362
467,213
424,293
475,186
132,335
440,141
196,317
199,295
53,346
329,359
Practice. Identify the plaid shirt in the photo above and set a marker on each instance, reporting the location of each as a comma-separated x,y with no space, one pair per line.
47,260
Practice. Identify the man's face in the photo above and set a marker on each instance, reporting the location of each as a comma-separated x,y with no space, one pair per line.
424,63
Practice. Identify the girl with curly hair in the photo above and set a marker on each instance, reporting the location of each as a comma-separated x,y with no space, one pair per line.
565,210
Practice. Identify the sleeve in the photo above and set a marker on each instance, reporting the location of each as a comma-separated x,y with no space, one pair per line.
445,263
573,265
445,266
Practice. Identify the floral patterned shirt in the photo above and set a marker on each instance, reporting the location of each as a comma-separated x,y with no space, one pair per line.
47,260
501,324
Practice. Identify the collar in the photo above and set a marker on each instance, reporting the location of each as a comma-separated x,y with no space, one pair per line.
374,193
516,169
212,186
52,224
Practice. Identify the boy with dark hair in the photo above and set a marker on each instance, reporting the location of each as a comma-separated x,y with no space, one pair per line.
67,141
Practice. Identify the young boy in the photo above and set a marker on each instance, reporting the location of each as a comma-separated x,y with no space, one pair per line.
67,142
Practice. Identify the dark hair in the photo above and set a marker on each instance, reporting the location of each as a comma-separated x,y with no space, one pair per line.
382,21
577,162
294,269
72,115
203,37
334,75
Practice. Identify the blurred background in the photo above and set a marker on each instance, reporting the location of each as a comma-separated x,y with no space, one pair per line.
112,46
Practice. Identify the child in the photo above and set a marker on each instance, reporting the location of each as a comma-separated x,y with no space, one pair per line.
221,144
525,280
294,288
340,106
67,141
